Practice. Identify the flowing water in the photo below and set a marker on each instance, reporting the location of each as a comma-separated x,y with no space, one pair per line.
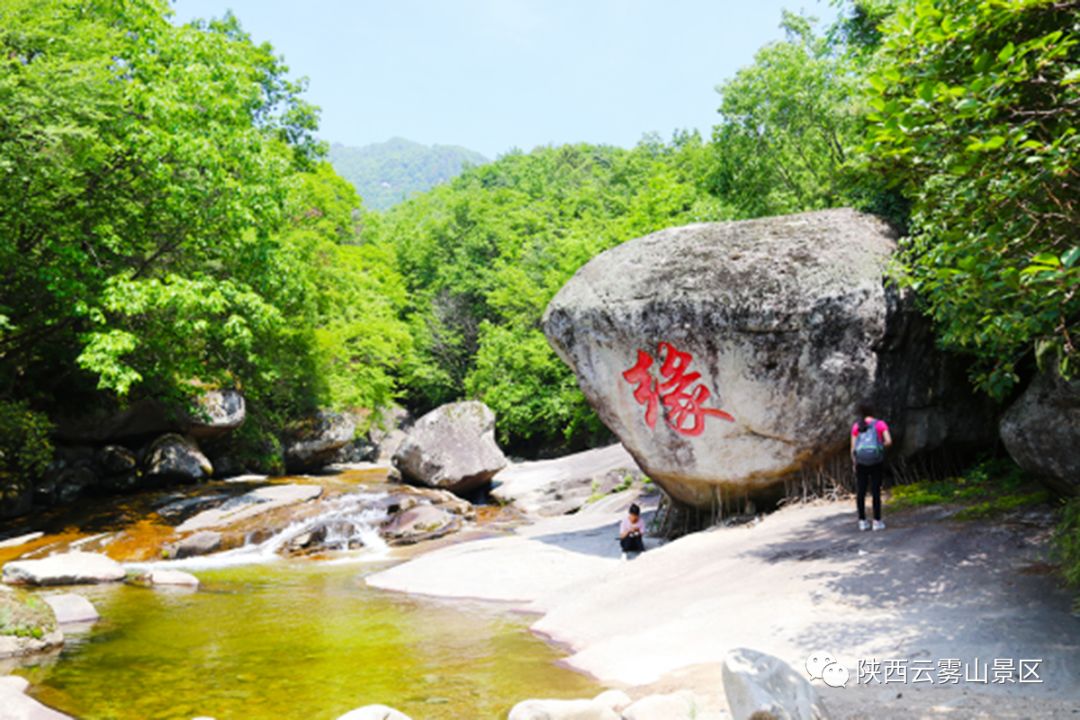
265,637
296,640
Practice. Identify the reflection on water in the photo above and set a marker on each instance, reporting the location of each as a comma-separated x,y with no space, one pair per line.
295,639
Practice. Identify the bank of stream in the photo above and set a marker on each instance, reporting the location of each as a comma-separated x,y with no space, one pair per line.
293,638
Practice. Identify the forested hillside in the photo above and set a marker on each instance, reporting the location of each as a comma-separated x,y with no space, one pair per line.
168,223
386,173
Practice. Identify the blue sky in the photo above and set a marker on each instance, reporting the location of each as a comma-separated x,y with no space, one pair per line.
498,74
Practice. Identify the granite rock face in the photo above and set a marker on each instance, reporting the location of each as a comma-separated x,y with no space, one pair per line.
1041,431
728,356
452,447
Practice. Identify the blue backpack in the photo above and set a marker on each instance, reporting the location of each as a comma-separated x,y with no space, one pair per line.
868,447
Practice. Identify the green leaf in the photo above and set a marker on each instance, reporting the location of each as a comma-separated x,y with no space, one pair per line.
1006,52
1069,258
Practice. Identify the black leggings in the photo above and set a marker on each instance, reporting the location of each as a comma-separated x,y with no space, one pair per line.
868,475
632,543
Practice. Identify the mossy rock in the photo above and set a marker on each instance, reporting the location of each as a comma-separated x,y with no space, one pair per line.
25,615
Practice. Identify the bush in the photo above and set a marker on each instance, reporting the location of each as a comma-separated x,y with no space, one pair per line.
1067,544
25,449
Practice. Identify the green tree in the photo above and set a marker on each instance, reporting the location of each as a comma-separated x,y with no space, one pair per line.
974,109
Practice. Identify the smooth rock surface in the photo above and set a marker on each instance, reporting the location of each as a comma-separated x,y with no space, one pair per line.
422,522
171,577
671,706
202,542
605,706
452,447
727,357
249,505
73,568
16,705
313,442
175,458
757,682
565,484
71,608
1041,431
216,413
374,712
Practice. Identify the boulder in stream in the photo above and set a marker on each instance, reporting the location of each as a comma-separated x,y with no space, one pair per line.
72,568
72,608
175,458
452,447
313,442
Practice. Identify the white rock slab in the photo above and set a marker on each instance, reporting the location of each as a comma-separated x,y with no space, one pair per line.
73,568
249,505
71,608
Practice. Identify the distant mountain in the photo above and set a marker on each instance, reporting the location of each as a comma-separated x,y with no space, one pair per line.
386,173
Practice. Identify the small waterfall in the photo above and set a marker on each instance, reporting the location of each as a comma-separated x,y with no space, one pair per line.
347,522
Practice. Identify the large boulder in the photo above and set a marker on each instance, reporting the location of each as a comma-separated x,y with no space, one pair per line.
72,568
728,357
452,447
1041,431
210,414
314,441
215,413
758,683
175,458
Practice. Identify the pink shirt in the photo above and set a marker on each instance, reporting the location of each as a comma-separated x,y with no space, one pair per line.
882,428
626,526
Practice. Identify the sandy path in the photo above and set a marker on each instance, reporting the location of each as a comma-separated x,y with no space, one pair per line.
803,579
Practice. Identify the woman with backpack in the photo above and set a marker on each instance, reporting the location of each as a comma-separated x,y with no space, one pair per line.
869,438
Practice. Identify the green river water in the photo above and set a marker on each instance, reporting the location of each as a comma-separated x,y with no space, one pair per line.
296,639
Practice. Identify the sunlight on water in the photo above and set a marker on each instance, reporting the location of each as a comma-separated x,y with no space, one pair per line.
296,639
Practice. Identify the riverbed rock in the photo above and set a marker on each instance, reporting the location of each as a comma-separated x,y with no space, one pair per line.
175,458
71,608
562,485
605,706
27,625
756,682
249,505
682,705
312,442
202,542
728,357
452,447
374,712
422,522
1041,431
73,568
170,577
388,431
116,460
215,413
16,705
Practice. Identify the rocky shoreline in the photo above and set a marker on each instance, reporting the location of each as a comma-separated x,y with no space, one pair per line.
661,628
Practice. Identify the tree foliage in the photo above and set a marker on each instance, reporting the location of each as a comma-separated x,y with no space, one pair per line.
483,255
974,109
166,225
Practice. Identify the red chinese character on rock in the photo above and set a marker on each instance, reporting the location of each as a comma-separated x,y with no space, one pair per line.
684,406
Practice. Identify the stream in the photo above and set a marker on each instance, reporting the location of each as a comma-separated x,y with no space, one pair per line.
269,637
